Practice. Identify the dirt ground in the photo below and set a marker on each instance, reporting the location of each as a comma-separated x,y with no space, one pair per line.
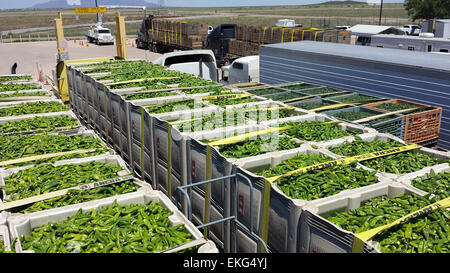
31,55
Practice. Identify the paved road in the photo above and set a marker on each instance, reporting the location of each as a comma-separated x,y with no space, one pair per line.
30,55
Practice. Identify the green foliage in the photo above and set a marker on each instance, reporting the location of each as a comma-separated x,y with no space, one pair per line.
428,9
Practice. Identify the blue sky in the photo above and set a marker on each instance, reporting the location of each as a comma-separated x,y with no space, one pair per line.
8,4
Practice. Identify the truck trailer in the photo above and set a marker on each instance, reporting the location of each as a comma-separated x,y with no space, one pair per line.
389,73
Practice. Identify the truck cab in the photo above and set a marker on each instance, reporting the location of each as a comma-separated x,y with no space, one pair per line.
217,41
245,69
201,63
100,35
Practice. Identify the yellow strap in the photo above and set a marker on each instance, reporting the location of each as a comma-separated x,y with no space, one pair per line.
347,160
282,34
264,35
292,36
227,96
265,214
342,104
44,156
270,109
360,238
246,136
303,34
300,98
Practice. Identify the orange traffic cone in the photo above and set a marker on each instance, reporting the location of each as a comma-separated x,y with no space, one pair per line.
74,41
46,81
40,77
87,44
132,45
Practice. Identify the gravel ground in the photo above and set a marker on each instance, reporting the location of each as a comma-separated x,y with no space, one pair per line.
31,55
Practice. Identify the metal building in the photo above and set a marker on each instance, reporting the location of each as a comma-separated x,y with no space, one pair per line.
392,73
413,43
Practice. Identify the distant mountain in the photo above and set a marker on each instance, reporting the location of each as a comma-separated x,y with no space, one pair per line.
58,4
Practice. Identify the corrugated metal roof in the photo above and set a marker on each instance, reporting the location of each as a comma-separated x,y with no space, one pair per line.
370,29
387,55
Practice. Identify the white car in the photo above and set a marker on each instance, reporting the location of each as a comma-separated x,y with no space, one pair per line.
100,35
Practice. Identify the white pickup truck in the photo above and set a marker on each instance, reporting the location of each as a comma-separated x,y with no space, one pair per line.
100,35
411,29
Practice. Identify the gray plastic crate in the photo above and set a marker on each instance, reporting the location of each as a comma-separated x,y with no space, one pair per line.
394,125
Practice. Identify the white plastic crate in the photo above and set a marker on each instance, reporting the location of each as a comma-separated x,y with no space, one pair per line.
24,224
444,156
318,235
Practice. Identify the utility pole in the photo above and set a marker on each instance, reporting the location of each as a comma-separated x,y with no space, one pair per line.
381,11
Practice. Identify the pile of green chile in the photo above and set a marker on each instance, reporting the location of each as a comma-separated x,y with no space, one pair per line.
428,233
437,184
174,106
28,108
400,163
149,95
312,105
326,182
284,96
210,122
3,248
87,173
183,80
262,144
46,178
356,115
27,94
320,91
39,124
15,147
262,114
296,162
213,90
223,102
17,86
315,130
392,107
299,86
135,228
353,98
15,78
265,91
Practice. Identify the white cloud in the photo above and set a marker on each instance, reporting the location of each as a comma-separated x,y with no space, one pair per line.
73,2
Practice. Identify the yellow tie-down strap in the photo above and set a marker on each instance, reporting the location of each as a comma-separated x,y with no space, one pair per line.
333,106
347,160
270,109
44,156
140,80
361,238
53,194
246,136
227,96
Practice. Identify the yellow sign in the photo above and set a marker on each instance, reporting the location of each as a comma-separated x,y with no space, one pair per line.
90,10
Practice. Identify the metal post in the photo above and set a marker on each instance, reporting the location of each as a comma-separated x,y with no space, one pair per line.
381,11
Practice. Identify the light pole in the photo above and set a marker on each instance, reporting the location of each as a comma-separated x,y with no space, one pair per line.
381,10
